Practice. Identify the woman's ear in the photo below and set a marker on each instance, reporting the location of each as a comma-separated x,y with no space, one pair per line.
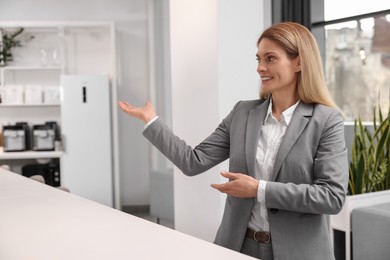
298,64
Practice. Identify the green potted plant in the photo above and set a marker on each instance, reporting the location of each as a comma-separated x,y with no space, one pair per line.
369,172
9,40
370,165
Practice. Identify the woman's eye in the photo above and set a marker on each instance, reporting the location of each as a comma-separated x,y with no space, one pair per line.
270,58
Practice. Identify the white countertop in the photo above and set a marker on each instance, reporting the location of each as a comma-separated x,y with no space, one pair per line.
39,222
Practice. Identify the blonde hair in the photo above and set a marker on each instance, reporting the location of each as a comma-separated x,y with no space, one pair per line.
297,40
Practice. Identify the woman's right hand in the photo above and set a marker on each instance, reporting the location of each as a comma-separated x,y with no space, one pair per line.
145,113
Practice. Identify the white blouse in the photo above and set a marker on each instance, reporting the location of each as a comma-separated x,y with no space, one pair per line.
271,137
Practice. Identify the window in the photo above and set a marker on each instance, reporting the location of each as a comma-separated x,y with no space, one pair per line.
357,58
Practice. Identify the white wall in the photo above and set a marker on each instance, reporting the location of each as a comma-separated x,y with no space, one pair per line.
213,47
131,19
193,26
239,27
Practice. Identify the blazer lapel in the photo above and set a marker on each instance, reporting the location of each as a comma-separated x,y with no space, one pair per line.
255,122
298,123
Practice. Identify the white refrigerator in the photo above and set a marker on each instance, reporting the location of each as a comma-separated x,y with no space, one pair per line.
87,161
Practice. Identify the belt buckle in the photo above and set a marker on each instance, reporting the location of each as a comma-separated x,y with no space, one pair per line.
265,233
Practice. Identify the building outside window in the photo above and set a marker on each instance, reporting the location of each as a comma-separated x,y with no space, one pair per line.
357,57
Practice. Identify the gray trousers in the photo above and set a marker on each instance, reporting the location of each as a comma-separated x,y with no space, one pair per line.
258,250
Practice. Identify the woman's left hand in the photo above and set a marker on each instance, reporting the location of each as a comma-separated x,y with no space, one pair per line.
240,185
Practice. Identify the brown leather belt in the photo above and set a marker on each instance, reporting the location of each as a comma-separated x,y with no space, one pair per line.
259,236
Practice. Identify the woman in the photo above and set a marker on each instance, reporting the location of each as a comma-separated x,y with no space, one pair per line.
288,164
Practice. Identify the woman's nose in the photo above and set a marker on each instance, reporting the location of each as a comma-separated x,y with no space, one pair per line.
261,68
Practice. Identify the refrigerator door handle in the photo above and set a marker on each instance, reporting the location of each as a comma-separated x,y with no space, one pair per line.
84,94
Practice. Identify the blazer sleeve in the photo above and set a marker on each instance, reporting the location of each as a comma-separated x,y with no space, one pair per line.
327,192
191,161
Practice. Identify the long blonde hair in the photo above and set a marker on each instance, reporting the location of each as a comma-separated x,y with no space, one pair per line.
297,40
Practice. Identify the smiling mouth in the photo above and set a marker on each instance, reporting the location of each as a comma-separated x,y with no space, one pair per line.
265,79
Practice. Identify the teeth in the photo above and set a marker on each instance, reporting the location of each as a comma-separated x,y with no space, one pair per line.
265,78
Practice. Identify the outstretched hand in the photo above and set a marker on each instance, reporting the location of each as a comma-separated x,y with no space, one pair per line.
145,113
240,185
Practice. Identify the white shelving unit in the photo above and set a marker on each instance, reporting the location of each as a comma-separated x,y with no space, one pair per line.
58,48
30,105
29,155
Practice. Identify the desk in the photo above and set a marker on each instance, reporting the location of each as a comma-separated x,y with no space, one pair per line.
39,222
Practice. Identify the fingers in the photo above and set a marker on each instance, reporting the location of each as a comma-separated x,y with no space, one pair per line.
224,187
124,105
129,109
149,106
239,185
230,175
221,187
145,113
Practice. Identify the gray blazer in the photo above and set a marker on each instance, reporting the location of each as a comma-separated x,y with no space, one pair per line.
309,179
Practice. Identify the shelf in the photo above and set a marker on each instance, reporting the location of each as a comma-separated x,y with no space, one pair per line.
29,155
31,68
29,105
